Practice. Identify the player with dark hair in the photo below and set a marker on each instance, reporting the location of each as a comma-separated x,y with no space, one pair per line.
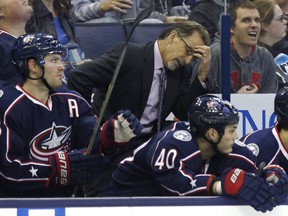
199,157
44,130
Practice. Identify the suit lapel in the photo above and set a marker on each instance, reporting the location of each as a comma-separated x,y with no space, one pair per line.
147,72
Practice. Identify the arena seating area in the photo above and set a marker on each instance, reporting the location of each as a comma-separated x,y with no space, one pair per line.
97,38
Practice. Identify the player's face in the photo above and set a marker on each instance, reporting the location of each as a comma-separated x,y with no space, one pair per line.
180,50
228,139
247,28
54,68
15,10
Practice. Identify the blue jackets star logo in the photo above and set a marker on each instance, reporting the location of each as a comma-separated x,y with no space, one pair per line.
50,141
33,171
193,183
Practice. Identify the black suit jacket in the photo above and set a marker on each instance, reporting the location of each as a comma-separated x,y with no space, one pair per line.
134,81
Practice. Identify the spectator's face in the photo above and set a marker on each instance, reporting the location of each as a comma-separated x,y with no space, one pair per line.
228,139
15,10
180,49
276,30
247,28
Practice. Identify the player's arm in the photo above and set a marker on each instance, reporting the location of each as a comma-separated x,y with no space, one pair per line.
179,178
177,165
248,187
240,157
115,133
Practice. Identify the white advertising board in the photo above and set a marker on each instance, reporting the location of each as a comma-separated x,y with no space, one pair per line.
147,210
256,111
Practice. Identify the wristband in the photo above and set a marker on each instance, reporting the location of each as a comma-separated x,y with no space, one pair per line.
218,188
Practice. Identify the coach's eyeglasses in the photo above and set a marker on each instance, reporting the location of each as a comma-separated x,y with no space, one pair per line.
189,50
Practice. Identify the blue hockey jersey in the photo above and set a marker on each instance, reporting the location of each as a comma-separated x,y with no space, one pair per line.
268,147
31,131
170,163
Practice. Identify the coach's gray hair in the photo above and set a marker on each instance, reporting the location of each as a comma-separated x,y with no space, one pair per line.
187,28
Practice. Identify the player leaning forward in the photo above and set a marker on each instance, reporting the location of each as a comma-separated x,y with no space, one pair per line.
45,129
199,157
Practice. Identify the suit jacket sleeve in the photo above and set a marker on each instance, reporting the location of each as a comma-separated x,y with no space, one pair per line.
94,74
191,90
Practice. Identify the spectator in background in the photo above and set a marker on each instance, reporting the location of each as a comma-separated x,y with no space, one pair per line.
137,85
182,7
273,30
208,13
160,14
97,11
282,45
54,17
175,7
252,67
13,18
186,2
101,11
163,6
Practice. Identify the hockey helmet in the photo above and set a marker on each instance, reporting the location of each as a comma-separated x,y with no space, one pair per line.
281,107
209,111
34,46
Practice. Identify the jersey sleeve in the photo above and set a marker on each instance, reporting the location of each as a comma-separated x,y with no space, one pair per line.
241,157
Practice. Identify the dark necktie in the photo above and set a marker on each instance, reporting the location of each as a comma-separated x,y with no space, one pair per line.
162,80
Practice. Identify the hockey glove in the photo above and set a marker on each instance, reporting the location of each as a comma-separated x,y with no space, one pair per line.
121,127
275,174
75,168
250,188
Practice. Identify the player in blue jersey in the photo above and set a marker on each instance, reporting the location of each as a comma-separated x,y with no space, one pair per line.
199,157
270,145
45,130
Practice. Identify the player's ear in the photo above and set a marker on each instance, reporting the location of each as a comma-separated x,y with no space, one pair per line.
212,135
33,68
32,64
